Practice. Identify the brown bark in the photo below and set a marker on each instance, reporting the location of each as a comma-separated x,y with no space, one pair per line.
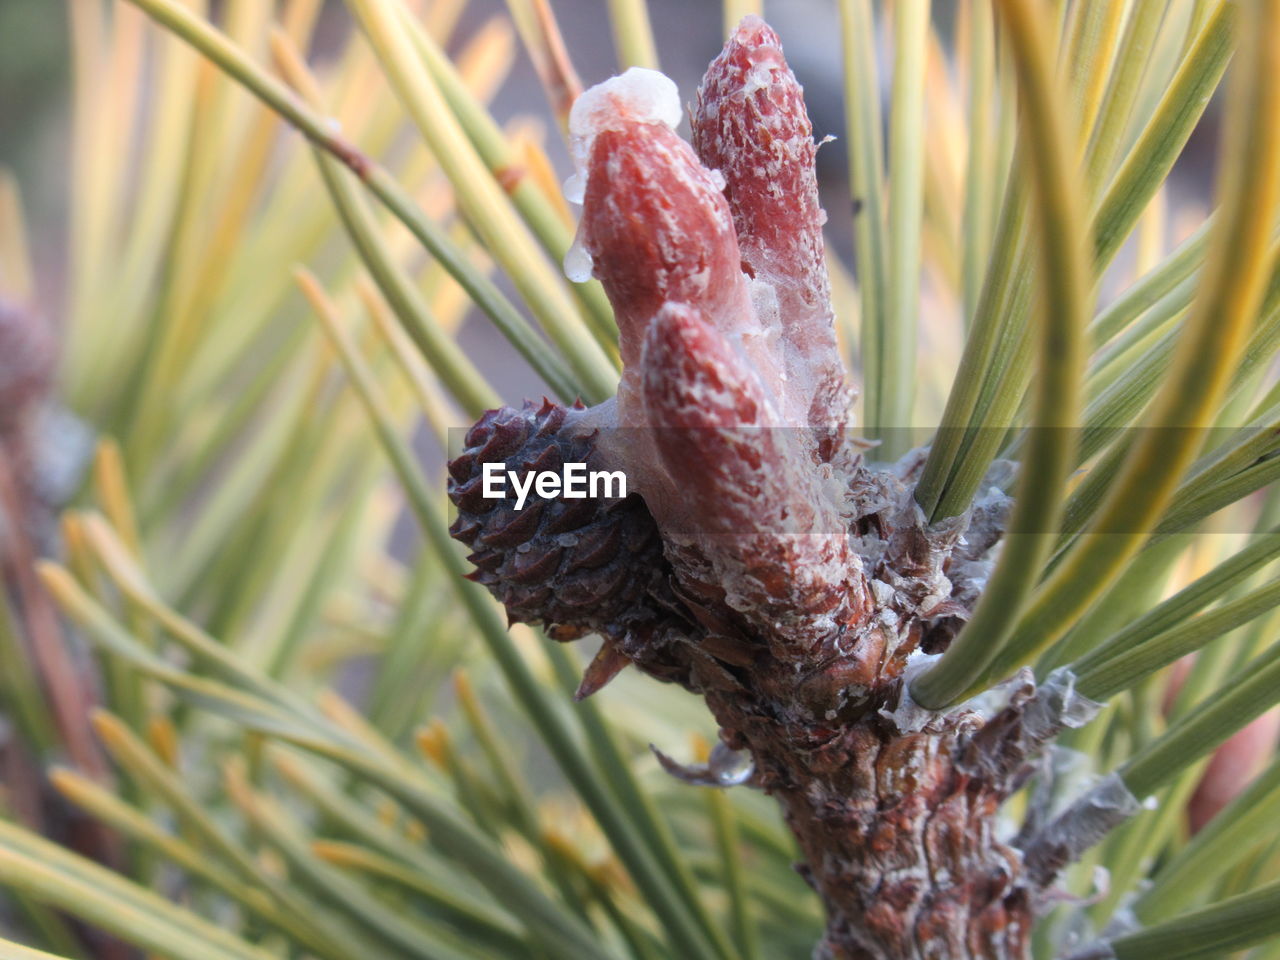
898,826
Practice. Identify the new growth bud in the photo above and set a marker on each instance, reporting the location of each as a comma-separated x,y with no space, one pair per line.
750,124
748,511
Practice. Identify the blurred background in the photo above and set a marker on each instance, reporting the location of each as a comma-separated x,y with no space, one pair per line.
34,104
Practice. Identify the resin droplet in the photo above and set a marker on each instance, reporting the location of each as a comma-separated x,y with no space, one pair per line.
575,187
578,263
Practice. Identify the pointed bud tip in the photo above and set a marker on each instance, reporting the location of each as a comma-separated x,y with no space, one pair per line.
752,31
692,375
607,664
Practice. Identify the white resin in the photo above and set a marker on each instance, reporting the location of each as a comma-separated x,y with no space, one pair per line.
639,95
578,263
575,188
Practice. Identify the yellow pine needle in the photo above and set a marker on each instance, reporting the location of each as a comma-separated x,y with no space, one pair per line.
436,201
96,347
540,34
252,154
272,864
162,735
236,784
605,878
503,162
16,951
583,355
107,808
1151,233
946,136
449,302
299,19
1214,335
54,876
76,548
896,383
527,138
1107,21
415,832
120,96
290,768
864,124
977,46
118,560
361,101
1116,105
342,714
17,278
111,730
485,204
341,854
151,773
633,34
387,813
433,742
466,383
291,65
735,10
441,17
439,414
699,748
384,577
465,691
564,848
112,487
482,67
92,187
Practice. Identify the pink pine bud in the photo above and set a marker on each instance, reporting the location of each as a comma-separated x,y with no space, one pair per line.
729,351
656,225
1233,766
658,229
747,512
750,123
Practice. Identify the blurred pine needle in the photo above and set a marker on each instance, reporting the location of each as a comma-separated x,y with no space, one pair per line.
256,326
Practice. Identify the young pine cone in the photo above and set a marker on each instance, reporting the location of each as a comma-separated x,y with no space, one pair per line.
578,565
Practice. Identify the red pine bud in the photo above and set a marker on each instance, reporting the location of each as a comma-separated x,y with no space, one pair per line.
657,226
750,503
750,123
658,230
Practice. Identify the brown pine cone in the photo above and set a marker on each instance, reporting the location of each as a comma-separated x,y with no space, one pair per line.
579,566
